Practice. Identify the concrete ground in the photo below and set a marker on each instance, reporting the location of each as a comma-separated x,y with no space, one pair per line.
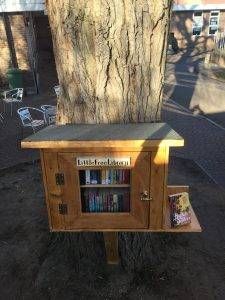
11,132
187,93
37,264
195,107
194,87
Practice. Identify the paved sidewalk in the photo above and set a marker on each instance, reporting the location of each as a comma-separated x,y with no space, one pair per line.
187,86
204,141
11,133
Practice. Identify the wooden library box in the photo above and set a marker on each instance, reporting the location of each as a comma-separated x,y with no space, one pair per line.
108,177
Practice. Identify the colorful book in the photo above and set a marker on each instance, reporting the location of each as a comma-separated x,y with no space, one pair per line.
103,176
87,177
179,209
115,203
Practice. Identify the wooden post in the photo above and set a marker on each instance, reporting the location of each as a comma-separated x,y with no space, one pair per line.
111,247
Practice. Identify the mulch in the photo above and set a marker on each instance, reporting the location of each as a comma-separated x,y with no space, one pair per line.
37,264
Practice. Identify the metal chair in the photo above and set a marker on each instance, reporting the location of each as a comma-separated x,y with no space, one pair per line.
25,114
57,89
50,113
1,117
11,97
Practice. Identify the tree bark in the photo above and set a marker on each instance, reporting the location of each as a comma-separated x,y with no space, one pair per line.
110,58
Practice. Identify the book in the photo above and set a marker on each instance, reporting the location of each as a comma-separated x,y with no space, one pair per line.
179,209
87,177
115,203
93,177
103,176
106,200
82,177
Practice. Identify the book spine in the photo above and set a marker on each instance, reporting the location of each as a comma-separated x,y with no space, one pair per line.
115,202
120,202
101,203
87,176
109,176
103,176
106,176
94,176
82,177
98,176
86,199
123,176
97,202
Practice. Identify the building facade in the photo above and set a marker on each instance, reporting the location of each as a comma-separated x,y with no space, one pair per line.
26,43
195,23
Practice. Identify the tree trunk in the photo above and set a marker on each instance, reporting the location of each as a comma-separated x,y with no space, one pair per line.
110,58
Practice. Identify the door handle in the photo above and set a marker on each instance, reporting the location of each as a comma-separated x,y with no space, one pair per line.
145,196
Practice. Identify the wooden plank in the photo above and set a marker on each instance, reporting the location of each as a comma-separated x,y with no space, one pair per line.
53,191
106,132
140,179
100,144
165,195
44,176
70,189
98,149
138,135
159,162
111,247
104,185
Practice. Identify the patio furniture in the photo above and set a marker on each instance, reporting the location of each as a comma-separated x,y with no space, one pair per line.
57,89
32,117
1,117
50,113
11,97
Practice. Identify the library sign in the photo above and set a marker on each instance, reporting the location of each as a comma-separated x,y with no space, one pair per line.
103,162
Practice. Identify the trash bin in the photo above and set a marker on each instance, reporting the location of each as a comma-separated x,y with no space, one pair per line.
15,78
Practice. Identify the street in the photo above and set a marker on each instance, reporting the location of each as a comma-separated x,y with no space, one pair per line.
192,104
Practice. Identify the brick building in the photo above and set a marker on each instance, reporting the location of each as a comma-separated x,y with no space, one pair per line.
25,37
195,22
26,43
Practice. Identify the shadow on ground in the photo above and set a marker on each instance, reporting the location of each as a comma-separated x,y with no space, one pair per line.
11,131
36,264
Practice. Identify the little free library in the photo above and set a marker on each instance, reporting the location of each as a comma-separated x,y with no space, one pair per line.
110,177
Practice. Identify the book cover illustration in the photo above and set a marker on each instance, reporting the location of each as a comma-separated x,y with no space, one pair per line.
179,209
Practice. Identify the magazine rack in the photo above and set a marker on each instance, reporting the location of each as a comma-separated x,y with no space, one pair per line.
108,177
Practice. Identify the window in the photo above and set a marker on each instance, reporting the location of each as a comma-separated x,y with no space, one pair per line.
213,22
197,23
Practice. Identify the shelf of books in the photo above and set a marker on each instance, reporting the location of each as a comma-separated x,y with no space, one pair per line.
105,190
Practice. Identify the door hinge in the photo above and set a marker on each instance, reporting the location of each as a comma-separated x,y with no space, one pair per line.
59,178
62,209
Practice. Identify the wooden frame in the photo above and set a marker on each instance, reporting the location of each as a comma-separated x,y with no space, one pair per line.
148,169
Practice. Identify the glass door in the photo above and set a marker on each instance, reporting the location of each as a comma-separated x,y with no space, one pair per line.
105,190
105,196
